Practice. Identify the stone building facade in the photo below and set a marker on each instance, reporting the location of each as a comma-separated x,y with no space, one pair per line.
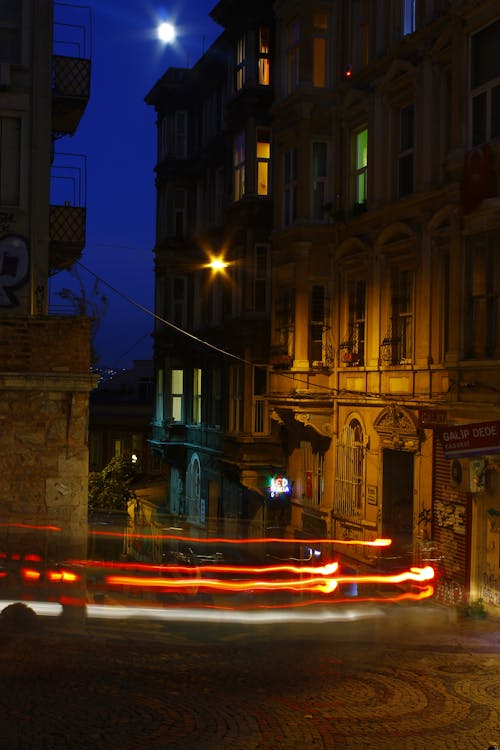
45,375
382,329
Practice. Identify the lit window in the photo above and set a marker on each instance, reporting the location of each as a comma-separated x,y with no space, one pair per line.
312,479
263,160
353,346
239,72
320,37
239,167
290,186
292,57
406,146
485,85
263,56
177,396
319,179
360,166
196,396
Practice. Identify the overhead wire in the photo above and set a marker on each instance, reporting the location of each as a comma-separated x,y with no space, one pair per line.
243,360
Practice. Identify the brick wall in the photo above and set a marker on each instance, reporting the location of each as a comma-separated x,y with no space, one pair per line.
45,344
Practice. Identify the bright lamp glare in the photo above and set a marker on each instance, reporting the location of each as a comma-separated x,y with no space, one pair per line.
217,264
166,32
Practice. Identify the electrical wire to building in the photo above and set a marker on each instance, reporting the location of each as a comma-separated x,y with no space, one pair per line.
225,353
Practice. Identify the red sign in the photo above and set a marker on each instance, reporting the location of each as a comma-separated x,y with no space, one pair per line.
476,439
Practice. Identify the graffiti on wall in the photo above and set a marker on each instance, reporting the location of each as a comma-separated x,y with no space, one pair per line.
490,590
450,516
14,268
449,591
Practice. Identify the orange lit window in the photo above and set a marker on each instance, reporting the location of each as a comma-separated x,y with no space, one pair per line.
263,151
320,22
263,56
239,72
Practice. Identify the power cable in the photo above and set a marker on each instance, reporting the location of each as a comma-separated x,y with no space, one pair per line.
225,353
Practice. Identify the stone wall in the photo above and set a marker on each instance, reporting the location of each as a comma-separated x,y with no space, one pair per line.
44,400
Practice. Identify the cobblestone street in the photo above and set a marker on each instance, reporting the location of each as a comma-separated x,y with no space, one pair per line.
405,679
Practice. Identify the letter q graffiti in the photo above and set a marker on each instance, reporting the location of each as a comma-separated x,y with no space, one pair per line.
14,268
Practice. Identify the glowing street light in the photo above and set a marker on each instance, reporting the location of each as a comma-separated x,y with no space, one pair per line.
166,32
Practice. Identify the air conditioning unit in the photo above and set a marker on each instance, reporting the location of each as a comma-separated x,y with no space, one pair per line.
468,474
4,75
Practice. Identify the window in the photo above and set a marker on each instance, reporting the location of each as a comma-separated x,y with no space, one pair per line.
285,321
406,149
482,317
317,323
159,396
193,481
360,166
409,16
353,346
176,310
196,396
398,344
239,71
177,395
313,474
215,403
259,403
173,135
485,85
261,279
263,150
350,471
239,167
10,31
290,186
319,180
235,397
292,57
10,158
320,37
263,61
179,211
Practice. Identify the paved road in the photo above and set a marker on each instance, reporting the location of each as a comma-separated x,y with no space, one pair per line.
400,677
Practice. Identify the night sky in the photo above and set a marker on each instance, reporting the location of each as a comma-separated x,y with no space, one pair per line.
117,135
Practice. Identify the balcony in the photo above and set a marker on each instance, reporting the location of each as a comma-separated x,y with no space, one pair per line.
67,210
70,92
67,236
70,67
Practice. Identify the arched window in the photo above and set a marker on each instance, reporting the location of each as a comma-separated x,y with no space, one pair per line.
350,470
193,480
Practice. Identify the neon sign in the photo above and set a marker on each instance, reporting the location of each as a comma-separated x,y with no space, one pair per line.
280,486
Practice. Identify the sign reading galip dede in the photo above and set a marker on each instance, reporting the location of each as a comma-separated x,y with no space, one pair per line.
477,438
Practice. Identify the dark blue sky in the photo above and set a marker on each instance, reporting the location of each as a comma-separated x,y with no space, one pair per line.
117,137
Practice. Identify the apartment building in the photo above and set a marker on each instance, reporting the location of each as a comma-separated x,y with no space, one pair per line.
382,374
45,360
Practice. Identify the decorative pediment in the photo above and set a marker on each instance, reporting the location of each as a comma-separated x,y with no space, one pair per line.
396,429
